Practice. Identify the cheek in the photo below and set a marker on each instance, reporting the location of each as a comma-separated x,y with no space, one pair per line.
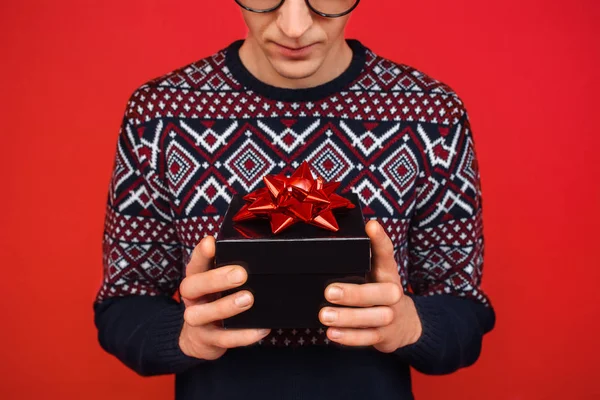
257,23
332,27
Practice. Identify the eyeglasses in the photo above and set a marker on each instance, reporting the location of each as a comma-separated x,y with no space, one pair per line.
324,8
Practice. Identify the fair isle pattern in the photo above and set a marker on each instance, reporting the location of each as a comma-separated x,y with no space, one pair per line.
193,138
385,91
150,102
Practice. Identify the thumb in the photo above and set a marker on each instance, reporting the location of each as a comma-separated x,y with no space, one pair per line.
383,264
202,256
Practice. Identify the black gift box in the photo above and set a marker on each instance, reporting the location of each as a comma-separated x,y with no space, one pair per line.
289,271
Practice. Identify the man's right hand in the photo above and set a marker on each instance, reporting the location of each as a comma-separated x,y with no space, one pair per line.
202,335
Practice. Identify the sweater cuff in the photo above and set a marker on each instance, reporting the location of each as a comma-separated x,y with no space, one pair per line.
163,340
431,345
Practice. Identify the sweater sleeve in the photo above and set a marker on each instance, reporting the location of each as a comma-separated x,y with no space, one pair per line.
446,248
137,318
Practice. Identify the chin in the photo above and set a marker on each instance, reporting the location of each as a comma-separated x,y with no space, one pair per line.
296,69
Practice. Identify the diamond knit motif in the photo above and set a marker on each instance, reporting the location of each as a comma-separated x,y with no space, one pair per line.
193,138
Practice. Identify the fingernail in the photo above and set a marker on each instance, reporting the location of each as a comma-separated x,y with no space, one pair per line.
263,331
236,276
334,333
334,293
243,300
329,315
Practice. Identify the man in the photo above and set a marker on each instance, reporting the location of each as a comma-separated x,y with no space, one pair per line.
295,89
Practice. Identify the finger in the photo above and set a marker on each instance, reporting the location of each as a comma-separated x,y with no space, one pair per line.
230,338
202,256
355,337
385,267
213,281
225,307
371,317
364,295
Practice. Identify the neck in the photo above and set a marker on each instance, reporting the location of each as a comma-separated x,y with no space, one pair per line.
312,91
336,61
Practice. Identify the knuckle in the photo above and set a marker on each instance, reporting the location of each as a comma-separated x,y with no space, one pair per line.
378,336
189,316
213,355
224,342
386,348
387,315
396,293
185,288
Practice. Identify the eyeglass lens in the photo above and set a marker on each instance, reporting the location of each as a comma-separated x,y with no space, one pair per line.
331,7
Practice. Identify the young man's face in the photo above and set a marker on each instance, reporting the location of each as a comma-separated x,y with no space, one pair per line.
295,40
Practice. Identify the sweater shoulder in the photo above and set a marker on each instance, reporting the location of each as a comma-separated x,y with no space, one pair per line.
209,73
412,86
396,76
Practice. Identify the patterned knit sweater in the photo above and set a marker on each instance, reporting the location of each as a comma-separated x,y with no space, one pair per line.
196,136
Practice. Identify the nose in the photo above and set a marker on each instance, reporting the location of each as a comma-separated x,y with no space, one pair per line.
294,18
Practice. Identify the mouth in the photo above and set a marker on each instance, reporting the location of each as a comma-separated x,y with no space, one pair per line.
294,52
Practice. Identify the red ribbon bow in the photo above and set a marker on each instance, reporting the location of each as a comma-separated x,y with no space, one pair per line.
285,201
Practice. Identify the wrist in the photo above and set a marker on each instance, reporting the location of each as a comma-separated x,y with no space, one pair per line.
408,327
416,327
184,341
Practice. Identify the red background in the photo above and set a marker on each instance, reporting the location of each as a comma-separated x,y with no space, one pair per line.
526,69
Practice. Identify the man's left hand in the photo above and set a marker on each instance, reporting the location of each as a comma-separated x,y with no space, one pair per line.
385,318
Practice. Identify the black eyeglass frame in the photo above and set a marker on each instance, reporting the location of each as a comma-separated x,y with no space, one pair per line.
322,14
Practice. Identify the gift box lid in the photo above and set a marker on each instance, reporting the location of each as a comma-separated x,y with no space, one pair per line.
298,246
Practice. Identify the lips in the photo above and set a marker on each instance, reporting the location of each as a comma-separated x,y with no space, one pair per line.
294,48
294,52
